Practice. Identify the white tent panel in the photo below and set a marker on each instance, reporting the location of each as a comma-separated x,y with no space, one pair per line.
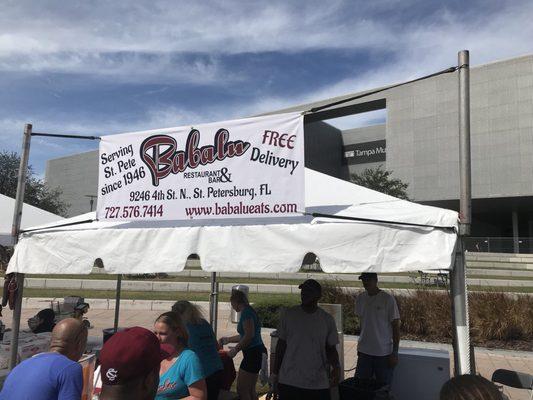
255,245
31,216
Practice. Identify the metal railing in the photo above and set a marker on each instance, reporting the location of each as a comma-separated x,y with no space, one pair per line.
522,245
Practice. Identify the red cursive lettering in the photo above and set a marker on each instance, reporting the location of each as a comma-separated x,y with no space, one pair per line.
159,153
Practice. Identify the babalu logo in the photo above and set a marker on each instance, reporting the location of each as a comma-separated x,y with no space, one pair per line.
159,153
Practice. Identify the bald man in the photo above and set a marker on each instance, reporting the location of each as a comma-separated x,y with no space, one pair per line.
55,375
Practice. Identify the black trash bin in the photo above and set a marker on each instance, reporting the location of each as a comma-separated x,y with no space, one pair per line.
362,389
108,332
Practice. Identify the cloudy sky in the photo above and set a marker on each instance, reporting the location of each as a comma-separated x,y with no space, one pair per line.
100,67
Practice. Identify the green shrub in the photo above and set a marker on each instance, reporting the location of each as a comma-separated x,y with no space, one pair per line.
497,316
269,311
426,314
333,293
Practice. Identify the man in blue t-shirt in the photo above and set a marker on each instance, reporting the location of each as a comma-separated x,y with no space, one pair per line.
55,375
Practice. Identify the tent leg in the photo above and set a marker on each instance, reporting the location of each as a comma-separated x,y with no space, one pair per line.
15,326
15,230
117,302
461,328
213,302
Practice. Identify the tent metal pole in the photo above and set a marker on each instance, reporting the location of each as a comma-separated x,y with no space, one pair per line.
213,303
117,302
465,173
458,274
461,328
15,230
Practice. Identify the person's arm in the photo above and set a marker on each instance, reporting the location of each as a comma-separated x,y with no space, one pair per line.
331,351
393,359
395,335
70,383
394,317
197,391
281,346
249,333
228,339
333,359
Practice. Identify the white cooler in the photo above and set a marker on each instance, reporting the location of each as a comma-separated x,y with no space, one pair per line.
420,374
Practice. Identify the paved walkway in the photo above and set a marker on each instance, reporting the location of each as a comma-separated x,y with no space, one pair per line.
486,360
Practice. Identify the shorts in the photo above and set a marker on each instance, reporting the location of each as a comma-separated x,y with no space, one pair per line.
252,358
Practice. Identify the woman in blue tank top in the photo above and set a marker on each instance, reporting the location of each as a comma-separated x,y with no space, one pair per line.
249,341
180,375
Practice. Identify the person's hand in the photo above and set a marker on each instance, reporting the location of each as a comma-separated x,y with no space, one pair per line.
232,352
335,377
393,360
223,341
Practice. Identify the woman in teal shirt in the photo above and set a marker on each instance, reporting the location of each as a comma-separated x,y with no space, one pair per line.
249,341
180,375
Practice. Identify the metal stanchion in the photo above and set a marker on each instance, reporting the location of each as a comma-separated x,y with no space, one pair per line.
213,302
117,302
15,230
458,286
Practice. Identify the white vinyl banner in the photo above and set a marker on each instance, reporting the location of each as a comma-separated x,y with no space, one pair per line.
243,168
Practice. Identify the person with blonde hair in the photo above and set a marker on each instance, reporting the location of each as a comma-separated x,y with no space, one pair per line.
203,342
249,342
180,374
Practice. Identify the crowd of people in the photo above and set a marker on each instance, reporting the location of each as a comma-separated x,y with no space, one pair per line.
180,357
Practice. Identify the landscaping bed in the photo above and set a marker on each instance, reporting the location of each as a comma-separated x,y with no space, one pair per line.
497,320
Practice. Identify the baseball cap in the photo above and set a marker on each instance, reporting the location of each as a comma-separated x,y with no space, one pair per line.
311,284
130,354
365,276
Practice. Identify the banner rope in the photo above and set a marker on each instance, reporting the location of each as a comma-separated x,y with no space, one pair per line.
336,103
66,136
58,226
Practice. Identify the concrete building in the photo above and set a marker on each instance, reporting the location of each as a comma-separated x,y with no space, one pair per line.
418,142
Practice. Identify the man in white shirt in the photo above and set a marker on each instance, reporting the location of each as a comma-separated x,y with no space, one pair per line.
306,357
377,350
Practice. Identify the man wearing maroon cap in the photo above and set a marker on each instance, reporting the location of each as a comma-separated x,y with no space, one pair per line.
130,363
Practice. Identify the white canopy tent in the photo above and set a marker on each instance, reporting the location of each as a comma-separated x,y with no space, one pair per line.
344,231
349,228
31,216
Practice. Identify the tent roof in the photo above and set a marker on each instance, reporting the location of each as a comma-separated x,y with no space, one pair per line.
31,216
255,244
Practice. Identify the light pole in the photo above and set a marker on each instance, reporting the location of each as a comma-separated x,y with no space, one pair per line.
91,201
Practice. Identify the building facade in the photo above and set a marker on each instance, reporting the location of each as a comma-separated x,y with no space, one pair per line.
418,141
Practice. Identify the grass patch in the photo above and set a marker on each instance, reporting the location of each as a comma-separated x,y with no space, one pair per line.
273,281
507,278
349,284
251,280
